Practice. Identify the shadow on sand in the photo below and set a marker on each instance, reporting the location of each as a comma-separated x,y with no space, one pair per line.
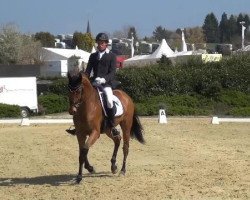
53,180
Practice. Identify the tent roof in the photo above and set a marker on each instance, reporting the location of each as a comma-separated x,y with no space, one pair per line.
163,49
66,54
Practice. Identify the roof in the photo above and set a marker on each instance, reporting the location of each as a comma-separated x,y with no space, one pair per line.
55,54
163,49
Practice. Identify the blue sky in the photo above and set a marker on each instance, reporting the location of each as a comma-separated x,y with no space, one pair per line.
66,17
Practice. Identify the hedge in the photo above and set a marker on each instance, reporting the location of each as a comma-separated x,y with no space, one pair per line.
191,88
192,77
53,103
9,111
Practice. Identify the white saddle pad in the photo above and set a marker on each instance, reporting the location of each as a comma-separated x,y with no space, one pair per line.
117,103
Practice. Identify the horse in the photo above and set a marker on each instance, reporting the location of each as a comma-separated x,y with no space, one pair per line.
88,118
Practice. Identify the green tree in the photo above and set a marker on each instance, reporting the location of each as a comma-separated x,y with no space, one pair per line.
83,41
46,39
132,31
210,28
240,18
223,28
232,28
247,21
159,33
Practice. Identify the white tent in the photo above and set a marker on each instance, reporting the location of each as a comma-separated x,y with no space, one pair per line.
163,49
57,61
55,54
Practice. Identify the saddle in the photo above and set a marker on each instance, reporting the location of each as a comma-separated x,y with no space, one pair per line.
116,102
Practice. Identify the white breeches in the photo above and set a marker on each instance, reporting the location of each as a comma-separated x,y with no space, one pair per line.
109,93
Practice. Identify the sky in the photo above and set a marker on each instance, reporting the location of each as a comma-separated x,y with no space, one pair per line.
68,16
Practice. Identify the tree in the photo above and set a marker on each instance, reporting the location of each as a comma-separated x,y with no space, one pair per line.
232,28
195,35
30,51
240,18
10,42
46,39
247,21
159,33
210,28
17,48
131,32
83,41
223,28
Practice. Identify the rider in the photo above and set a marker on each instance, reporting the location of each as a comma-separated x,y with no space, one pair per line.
103,64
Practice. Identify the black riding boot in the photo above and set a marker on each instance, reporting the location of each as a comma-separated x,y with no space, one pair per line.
111,118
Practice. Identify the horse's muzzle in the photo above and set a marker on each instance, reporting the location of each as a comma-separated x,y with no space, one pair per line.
72,110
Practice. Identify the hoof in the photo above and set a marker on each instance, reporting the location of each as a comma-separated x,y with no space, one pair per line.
91,169
122,173
114,169
71,131
78,179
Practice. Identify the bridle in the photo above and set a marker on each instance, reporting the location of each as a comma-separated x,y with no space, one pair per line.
76,90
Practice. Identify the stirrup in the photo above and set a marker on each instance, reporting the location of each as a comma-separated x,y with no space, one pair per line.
115,132
71,131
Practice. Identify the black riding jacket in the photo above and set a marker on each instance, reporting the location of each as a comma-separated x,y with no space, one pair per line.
103,68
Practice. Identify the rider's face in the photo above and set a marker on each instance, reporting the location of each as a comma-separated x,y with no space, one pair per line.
102,45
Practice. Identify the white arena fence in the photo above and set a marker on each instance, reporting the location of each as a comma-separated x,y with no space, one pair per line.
217,120
27,121
162,119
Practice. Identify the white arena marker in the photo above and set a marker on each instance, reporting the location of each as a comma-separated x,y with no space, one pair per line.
25,122
162,116
215,120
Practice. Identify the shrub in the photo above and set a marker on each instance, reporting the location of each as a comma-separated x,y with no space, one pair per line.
59,87
53,103
175,105
235,98
9,110
240,112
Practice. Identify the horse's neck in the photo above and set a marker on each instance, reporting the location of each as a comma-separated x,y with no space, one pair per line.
89,91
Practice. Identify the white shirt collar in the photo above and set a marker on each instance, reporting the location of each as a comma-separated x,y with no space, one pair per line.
100,54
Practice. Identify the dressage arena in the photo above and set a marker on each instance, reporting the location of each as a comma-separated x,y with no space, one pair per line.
187,158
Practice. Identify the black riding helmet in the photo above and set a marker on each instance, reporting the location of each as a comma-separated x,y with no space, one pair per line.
102,37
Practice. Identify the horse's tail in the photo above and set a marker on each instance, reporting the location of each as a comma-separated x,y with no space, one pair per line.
137,129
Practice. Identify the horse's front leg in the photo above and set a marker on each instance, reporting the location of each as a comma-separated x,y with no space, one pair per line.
83,152
84,148
82,157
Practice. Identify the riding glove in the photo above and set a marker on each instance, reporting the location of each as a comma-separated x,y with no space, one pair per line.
100,80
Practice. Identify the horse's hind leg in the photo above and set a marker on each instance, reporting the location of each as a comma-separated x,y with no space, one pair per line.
117,141
126,128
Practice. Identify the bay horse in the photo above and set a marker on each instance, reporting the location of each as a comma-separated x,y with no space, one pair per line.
88,116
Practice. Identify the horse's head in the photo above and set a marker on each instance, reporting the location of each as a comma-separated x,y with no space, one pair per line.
75,87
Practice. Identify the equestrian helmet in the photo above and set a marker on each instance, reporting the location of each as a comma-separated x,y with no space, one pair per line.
102,37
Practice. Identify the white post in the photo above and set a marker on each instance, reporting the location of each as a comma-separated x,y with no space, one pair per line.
162,117
25,122
132,45
242,34
215,120
184,45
